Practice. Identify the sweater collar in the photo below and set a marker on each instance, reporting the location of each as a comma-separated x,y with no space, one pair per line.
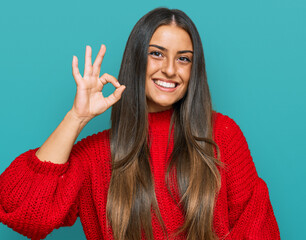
160,120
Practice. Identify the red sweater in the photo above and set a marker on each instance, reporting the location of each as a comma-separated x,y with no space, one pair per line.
37,197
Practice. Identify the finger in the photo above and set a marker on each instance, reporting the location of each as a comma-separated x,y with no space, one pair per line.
115,96
88,65
106,78
98,61
75,70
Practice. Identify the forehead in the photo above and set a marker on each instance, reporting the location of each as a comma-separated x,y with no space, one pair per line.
172,37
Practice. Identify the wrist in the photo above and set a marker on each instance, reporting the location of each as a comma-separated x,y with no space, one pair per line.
75,120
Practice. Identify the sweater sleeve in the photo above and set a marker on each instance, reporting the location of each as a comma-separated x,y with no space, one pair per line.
36,197
250,211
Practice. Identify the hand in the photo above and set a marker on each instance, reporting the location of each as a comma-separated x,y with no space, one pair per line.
89,101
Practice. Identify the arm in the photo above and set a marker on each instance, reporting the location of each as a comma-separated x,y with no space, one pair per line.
36,196
88,103
250,211
39,190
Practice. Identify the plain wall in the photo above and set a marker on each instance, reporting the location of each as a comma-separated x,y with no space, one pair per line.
255,55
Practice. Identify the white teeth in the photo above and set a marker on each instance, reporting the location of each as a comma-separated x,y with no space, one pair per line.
165,84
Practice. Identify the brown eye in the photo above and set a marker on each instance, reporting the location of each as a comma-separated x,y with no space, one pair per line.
155,53
184,59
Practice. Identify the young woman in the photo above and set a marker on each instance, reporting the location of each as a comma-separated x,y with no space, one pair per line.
169,167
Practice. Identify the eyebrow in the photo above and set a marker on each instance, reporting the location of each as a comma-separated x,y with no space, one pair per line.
164,49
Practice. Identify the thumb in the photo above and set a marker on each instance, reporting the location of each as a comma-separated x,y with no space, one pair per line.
115,96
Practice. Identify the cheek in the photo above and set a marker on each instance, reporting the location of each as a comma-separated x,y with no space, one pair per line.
185,74
152,66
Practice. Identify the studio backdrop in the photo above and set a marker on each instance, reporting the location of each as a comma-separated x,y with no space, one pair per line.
255,54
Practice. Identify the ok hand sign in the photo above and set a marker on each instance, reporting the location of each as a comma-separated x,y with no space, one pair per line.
89,100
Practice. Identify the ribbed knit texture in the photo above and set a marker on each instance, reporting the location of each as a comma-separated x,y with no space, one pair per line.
37,197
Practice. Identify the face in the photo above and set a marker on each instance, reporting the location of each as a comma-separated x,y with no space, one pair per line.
169,65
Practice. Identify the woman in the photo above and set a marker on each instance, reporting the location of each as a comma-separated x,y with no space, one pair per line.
169,167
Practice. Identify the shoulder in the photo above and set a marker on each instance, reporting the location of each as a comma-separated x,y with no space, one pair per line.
224,126
227,134
100,136
93,143
92,151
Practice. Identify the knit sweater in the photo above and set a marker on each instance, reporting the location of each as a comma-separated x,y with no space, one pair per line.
37,197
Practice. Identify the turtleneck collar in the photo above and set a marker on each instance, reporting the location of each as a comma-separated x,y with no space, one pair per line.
160,120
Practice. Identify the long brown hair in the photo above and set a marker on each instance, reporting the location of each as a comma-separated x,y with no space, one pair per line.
193,167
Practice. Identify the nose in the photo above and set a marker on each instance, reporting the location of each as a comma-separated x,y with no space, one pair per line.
169,67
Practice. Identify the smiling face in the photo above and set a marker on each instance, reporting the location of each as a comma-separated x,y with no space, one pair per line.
169,65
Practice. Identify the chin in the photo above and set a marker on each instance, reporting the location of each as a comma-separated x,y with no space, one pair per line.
165,103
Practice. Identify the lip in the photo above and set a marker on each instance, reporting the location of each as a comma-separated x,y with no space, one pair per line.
163,88
165,80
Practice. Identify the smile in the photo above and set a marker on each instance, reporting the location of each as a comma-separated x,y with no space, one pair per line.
163,84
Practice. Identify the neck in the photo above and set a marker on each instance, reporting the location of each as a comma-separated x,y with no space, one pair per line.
160,120
153,108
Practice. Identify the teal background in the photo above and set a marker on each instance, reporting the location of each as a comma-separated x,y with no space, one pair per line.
255,54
